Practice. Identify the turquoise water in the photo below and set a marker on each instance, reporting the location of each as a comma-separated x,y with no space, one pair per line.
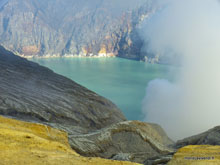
120,80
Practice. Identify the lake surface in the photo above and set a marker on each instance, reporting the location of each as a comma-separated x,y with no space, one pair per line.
120,80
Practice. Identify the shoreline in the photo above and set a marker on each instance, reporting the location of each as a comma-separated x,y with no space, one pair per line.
66,56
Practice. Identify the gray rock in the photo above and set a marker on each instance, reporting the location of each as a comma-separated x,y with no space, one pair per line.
34,93
159,160
210,137
123,157
130,140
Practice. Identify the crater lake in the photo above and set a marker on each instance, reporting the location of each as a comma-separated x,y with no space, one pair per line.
120,80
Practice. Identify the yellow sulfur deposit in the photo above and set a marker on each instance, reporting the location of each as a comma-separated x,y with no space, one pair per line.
28,143
103,50
197,155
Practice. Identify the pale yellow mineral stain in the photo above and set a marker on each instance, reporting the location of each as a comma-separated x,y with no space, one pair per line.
197,155
36,144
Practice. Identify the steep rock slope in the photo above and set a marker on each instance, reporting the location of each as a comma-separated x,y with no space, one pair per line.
27,143
72,27
35,93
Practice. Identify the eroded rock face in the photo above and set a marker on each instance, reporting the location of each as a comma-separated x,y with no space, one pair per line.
34,93
28,143
73,27
210,137
130,140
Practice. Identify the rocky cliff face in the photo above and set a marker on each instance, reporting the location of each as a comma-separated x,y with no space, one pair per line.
72,27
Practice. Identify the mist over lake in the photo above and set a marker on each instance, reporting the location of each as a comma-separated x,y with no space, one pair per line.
120,80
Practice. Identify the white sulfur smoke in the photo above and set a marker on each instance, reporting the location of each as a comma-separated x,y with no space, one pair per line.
190,28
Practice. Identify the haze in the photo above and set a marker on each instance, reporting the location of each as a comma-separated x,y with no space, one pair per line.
190,105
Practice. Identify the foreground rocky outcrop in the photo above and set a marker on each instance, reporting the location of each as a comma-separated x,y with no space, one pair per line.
197,154
210,137
130,140
28,143
72,27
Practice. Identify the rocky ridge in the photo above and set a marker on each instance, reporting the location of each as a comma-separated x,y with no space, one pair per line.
210,137
35,93
130,140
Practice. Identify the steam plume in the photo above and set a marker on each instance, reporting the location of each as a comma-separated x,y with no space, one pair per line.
191,29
